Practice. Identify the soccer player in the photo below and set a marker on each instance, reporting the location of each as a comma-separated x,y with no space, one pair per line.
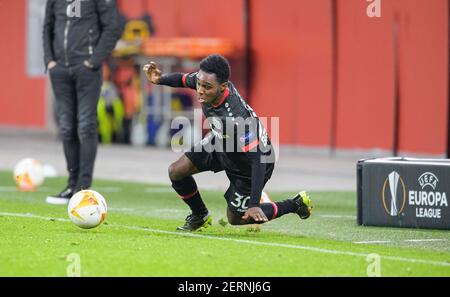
237,143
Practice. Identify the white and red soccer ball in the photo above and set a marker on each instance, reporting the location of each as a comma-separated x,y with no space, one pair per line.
28,174
87,209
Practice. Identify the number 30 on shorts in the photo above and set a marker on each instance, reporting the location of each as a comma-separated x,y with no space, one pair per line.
240,201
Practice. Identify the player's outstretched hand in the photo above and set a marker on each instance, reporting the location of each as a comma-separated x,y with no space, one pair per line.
256,214
152,72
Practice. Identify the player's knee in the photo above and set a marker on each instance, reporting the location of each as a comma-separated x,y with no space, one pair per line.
234,219
174,172
235,222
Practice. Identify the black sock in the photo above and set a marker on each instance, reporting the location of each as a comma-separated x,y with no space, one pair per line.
188,191
269,209
284,207
275,210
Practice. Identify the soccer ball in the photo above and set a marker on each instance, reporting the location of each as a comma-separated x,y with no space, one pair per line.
28,174
87,209
265,198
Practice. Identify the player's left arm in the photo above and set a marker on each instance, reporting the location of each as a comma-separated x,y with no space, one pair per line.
258,174
249,144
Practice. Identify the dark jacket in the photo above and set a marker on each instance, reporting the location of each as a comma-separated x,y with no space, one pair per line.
80,30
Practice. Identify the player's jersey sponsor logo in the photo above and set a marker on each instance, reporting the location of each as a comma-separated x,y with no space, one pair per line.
249,136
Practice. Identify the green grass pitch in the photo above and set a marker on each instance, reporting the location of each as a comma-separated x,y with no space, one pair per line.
139,238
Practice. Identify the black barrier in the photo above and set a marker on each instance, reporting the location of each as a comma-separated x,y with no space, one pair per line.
403,192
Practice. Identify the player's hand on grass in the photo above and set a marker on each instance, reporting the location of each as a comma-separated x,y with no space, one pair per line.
152,72
256,214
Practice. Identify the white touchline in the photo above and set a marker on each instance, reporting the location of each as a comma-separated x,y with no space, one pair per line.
121,209
99,189
14,189
308,248
405,240
372,241
426,239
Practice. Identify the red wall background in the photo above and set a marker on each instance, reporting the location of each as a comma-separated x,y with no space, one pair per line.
366,89
291,47
424,75
22,99
292,66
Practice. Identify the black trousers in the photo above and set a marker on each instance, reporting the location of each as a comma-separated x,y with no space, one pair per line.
77,90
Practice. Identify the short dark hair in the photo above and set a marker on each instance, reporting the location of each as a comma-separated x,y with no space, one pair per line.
218,65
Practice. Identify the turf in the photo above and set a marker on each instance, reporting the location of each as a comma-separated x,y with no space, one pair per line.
139,238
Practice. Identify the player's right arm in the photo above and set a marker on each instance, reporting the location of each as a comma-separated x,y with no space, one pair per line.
152,72
175,80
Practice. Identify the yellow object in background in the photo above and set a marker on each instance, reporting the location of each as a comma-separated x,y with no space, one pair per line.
110,113
135,30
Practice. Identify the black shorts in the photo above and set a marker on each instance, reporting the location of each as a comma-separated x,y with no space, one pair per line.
238,193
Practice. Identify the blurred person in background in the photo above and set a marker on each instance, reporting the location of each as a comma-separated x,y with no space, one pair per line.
243,152
78,36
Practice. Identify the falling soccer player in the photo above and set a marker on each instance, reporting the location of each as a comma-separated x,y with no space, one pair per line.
237,143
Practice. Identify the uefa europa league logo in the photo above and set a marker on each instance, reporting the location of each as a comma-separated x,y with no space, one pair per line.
397,200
